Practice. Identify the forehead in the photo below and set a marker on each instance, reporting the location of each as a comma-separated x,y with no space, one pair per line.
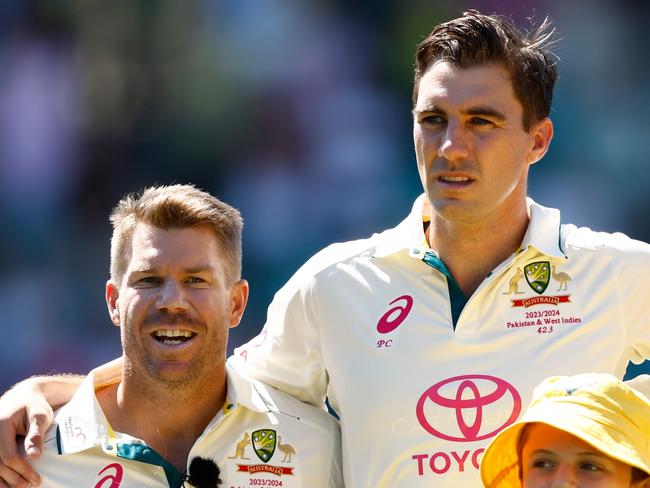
543,436
451,87
187,247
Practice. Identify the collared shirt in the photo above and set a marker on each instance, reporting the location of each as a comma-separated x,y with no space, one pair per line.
423,377
261,437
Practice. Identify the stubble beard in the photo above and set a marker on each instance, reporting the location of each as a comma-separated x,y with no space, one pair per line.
453,211
149,379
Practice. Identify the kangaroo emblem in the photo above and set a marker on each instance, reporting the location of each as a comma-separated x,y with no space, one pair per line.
240,450
513,286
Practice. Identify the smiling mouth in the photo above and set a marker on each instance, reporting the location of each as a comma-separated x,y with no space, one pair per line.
173,337
454,179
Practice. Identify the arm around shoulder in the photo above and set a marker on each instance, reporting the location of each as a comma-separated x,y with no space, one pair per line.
55,390
26,410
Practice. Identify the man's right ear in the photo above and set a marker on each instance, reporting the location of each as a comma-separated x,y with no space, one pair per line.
112,294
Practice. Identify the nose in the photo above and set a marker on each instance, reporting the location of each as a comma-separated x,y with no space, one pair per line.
565,477
454,144
172,297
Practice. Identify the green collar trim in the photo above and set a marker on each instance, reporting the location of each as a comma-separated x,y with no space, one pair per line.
457,298
58,441
144,454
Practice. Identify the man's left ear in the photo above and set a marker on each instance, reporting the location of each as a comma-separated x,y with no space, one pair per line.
238,301
542,135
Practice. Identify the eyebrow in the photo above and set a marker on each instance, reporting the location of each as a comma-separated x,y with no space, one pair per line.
196,269
200,269
581,453
542,451
475,110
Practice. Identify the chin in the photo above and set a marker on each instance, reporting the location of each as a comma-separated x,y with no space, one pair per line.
456,210
176,374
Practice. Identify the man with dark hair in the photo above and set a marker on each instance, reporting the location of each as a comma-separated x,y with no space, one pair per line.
170,412
476,39
428,338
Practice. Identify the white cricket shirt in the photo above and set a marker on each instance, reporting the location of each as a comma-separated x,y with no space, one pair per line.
261,438
422,377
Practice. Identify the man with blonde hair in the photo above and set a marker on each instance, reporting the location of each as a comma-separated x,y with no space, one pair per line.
170,412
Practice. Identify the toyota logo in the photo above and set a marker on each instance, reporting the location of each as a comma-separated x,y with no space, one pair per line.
482,406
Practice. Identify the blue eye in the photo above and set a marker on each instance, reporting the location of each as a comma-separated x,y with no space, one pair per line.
432,119
150,279
479,121
195,280
543,464
589,466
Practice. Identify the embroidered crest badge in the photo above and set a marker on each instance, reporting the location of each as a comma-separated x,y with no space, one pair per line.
538,275
264,442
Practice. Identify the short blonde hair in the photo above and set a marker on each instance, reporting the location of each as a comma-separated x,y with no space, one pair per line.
175,207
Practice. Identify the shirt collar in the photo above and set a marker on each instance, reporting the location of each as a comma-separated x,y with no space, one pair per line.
248,392
83,425
409,234
543,232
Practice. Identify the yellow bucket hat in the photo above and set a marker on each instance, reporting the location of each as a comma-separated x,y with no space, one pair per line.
597,408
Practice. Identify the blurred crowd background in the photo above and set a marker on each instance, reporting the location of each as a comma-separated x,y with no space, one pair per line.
295,111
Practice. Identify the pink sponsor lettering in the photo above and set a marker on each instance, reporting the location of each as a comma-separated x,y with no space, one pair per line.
443,462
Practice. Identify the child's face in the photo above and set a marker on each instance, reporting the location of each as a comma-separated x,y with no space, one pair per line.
554,458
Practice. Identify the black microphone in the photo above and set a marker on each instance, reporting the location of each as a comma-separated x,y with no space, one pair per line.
204,473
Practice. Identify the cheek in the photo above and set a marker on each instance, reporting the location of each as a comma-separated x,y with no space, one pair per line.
424,141
425,151
515,148
534,477
212,306
535,480
135,306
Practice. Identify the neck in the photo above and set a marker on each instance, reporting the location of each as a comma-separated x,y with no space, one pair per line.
169,418
472,250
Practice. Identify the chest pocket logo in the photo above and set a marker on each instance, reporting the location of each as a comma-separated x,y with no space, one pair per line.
538,275
394,316
114,477
264,442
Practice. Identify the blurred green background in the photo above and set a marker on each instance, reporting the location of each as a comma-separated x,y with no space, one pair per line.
297,112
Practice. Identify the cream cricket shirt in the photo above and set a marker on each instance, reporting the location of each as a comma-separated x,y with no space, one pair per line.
422,377
262,438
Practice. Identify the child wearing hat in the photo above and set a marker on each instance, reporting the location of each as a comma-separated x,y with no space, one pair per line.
588,430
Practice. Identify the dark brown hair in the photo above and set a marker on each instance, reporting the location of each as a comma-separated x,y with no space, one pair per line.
638,474
476,39
175,207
